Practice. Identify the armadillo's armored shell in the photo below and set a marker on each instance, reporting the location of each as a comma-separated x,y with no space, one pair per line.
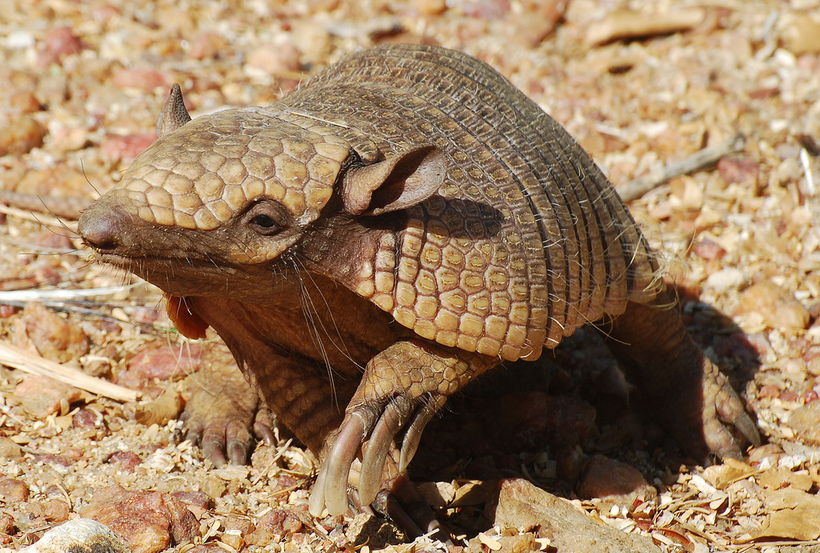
526,240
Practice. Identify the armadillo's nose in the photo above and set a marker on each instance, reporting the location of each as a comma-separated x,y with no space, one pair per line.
104,227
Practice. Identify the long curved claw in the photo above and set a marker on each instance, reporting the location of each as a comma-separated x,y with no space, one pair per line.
316,503
392,420
412,437
730,411
213,447
346,446
720,441
194,429
748,429
330,488
237,442
726,422
410,511
263,426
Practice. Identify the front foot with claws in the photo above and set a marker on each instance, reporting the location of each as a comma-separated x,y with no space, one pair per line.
402,389
223,413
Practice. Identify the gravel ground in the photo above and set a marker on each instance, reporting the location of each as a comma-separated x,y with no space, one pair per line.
640,84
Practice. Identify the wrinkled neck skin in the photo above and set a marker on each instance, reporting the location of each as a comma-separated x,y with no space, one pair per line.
316,320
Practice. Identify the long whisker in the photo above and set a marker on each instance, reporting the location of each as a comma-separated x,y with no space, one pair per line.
340,346
311,316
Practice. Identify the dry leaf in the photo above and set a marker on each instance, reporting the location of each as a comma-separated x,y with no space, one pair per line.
472,492
489,541
630,24
159,411
776,478
796,515
720,476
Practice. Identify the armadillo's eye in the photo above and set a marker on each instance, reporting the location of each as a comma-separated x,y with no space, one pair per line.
263,221
266,217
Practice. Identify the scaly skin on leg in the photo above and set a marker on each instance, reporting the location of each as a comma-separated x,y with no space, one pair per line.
693,399
301,397
221,407
402,388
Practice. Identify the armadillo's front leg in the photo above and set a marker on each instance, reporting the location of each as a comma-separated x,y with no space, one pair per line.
402,388
691,396
221,409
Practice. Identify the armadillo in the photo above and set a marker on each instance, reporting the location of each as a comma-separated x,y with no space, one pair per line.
401,223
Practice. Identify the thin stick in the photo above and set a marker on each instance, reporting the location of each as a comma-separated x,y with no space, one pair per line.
706,157
27,362
61,294
39,217
68,207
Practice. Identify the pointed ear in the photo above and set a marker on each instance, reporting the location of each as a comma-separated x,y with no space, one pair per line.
173,114
402,180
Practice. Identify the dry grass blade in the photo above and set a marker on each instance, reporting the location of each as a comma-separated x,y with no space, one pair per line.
33,364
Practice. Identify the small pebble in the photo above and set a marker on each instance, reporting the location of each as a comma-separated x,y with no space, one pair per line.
776,307
17,40
801,34
276,59
13,490
127,461
725,279
149,522
58,44
159,410
708,249
55,337
160,361
9,449
126,147
208,45
66,138
86,419
614,482
627,24
740,170
41,396
25,101
6,523
21,135
56,510
430,7
274,523
803,421
198,499
536,21
482,9
147,80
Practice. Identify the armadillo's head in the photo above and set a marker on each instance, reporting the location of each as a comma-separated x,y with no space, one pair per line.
231,192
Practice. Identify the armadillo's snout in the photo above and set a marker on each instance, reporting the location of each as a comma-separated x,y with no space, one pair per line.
104,227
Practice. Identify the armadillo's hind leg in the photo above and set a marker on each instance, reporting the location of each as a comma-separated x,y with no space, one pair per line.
693,399
402,389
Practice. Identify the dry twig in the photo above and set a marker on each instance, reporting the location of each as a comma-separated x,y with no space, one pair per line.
27,362
636,188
